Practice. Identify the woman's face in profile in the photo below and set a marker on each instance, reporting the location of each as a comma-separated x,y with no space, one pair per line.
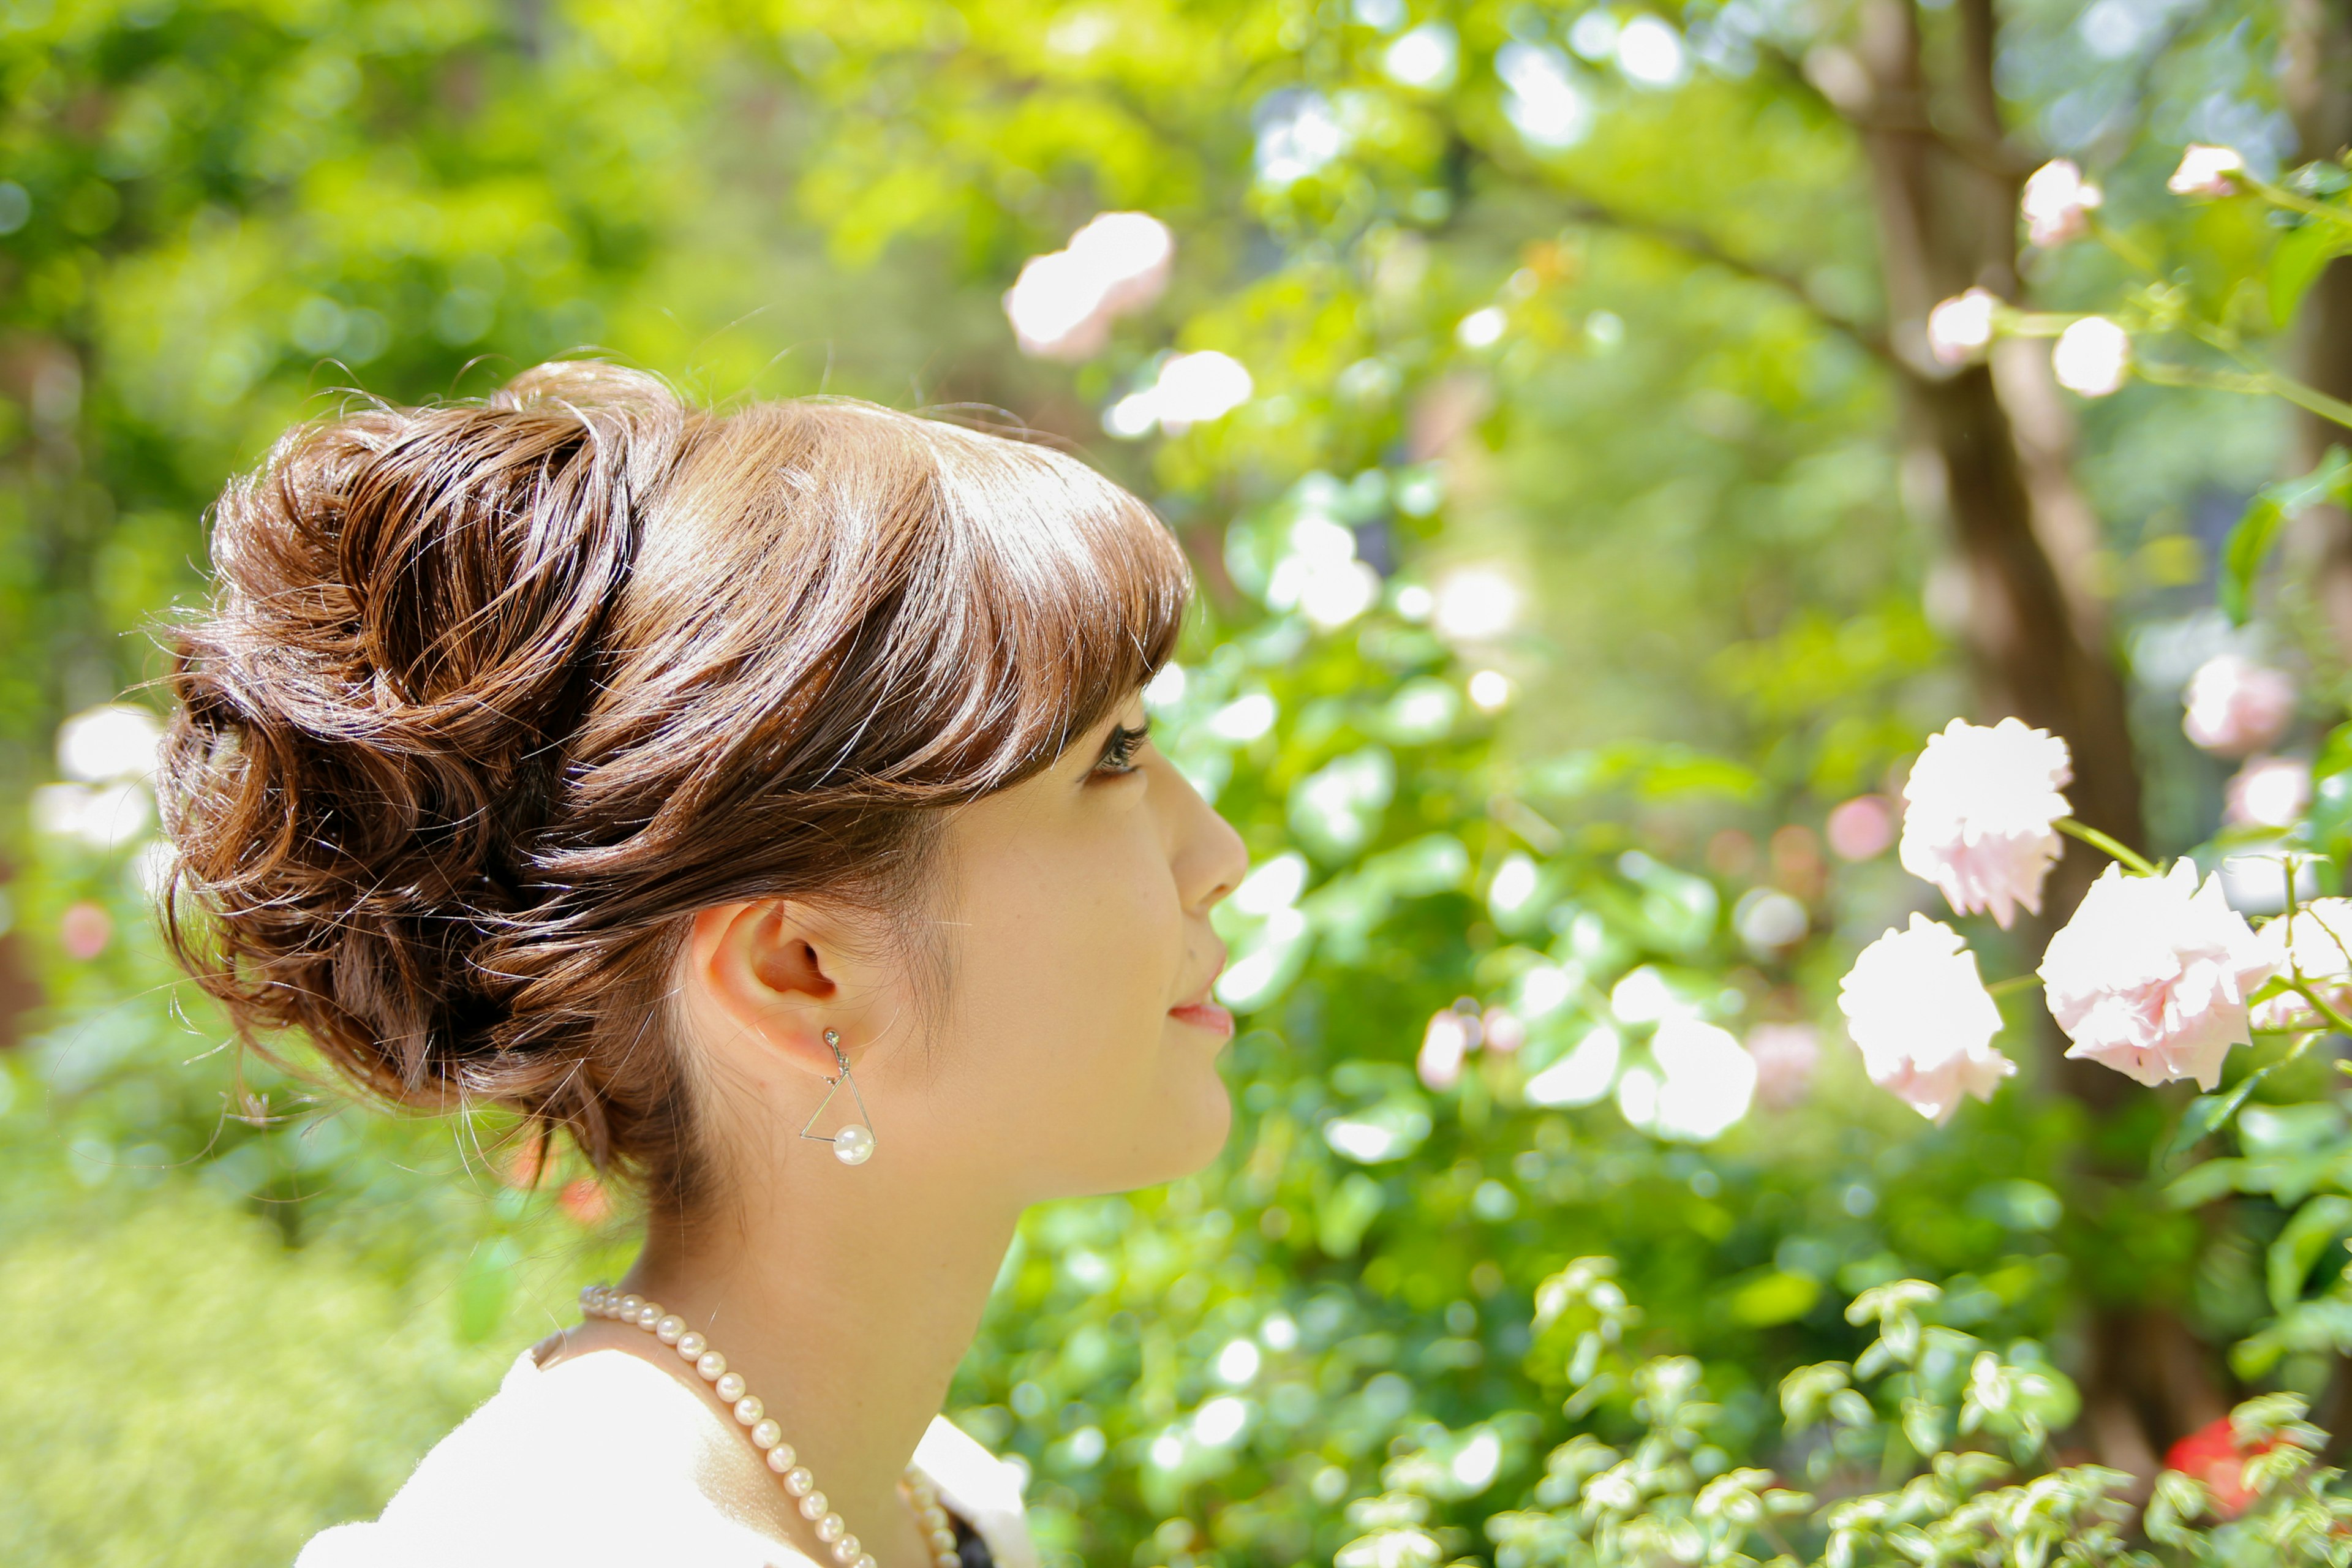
1076,1050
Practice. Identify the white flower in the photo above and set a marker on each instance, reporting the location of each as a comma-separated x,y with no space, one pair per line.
2151,975
1475,605
104,816
1449,1038
1980,805
1709,1080
1960,328
2268,792
2092,357
114,741
2057,203
2315,943
1924,1021
1062,305
2206,171
1190,389
2235,706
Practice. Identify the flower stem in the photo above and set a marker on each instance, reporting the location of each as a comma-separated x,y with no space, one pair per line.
2132,858
2015,983
2310,993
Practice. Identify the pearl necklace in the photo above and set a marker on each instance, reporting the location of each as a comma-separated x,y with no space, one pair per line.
604,1301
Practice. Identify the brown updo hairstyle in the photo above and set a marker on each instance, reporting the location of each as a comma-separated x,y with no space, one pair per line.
492,697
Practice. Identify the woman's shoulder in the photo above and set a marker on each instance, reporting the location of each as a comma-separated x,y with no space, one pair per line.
980,1488
595,1458
602,1457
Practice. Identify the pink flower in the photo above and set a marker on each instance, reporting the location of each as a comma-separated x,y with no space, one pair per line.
586,1201
1981,803
1923,1019
526,1165
2206,171
2268,792
2316,942
1448,1039
1786,1054
2235,706
1960,328
84,929
2057,203
2092,357
2151,975
1500,1030
1862,828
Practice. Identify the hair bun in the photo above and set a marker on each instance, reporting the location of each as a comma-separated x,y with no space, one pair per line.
372,719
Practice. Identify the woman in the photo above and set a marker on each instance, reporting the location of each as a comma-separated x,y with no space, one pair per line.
764,802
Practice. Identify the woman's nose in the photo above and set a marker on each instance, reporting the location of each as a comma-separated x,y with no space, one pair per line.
1210,858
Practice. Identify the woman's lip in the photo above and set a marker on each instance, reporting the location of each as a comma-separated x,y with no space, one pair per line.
1204,1015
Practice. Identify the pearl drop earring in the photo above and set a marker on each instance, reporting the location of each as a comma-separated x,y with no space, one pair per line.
854,1144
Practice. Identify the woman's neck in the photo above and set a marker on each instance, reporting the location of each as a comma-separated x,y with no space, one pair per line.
846,1309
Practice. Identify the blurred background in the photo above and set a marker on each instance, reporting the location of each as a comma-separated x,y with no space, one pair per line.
1588,533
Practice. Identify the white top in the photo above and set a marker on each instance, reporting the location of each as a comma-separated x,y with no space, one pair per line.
604,1459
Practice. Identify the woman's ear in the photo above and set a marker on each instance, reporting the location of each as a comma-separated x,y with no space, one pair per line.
769,977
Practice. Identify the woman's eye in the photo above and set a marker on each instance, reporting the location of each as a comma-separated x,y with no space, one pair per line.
1119,752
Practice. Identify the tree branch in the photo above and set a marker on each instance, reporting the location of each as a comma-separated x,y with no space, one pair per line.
1700,246
1997,156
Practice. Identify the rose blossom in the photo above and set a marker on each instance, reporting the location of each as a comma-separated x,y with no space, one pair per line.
2206,171
1923,1019
1981,803
2092,357
2234,706
2268,792
2151,975
2057,203
2316,942
1961,326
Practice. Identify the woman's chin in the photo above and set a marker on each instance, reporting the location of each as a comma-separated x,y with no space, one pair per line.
1177,1142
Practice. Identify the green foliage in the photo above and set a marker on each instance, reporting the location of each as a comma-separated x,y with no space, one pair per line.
2257,532
1932,1446
244,1397
1360,1335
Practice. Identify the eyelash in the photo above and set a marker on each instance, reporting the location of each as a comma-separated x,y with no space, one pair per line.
1118,754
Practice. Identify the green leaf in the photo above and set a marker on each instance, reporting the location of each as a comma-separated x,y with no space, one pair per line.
2257,530
1347,1214
2207,1114
1775,1296
2315,1226
2297,262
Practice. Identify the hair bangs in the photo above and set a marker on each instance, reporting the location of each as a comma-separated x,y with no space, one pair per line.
1061,595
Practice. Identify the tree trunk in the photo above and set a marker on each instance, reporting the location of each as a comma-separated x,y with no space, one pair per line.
2316,86
2035,627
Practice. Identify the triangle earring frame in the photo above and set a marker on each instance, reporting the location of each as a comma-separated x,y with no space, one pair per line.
864,1117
